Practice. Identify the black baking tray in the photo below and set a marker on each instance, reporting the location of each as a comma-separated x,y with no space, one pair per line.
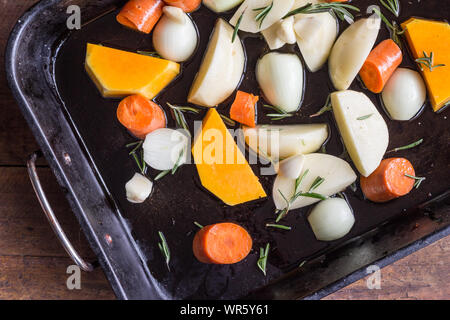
44,63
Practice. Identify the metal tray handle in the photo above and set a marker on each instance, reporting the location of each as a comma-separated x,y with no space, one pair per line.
32,172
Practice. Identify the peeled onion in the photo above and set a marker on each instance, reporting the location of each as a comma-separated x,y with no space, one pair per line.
175,37
138,188
164,148
331,219
404,94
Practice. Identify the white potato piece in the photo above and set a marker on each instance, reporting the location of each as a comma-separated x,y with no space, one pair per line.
331,219
221,69
249,23
271,36
283,141
286,30
164,148
292,166
221,5
138,188
404,94
175,37
316,34
366,139
351,50
280,77
337,173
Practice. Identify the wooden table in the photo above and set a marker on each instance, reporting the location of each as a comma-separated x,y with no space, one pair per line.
33,264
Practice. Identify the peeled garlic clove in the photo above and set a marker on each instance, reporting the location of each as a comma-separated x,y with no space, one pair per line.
138,188
286,30
292,166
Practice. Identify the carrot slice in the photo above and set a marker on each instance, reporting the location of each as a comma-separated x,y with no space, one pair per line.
140,115
222,243
185,5
380,64
388,181
141,15
243,108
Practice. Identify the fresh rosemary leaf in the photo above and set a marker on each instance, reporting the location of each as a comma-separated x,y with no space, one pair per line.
178,162
198,224
418,180
281,114
392,5
341,10
299,180
140,162
262,261
317,182
394,30
263,14
228,121
367,116
279,226
179,116
311,195
409,146
133,144
164,248
153,54
137,146
236,27
428,62
162,174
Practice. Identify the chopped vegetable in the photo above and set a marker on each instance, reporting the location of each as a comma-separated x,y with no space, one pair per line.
380,65
140,115
222,243
138,188
185,5
425,35
141,15
222,167
331,219
243,108
389,180
119,73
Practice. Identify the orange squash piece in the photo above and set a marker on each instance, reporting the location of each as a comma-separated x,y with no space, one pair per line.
119,73
222,167
432,36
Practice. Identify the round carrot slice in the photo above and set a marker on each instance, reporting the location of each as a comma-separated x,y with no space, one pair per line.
141,15
222,243
140,115
389,180
185,5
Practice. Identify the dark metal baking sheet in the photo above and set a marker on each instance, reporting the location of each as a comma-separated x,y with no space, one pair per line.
67,114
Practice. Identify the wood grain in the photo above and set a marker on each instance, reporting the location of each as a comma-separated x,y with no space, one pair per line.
33,264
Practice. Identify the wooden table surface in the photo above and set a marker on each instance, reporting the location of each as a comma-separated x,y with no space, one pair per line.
33,264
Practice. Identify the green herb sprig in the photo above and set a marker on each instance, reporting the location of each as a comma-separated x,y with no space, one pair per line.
392,5
428,61
198,224
279,226
367,116
264,11
418,180
138,158
227,120
326,107
173,170
153,54
178,113
164,248
263,255
394,30
409,146
341,10
281,114
236,27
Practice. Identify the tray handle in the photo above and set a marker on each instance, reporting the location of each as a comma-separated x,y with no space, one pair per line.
40,194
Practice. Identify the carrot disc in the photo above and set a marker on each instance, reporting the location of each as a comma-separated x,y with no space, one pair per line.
140,115
141,15
389,180
222,243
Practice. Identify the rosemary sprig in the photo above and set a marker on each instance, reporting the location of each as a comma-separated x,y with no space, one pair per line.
367,116
227,120
264,11
173,170
263,255
418,180
179,116
236,27
409,146
139,160
427,61
317,182
136,145
161,175
394,30
281,114
153,54
326,107
198,224
341,10
164,248
282,213
279,226
392,5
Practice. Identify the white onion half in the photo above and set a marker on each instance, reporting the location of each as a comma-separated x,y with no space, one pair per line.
164,148
138,188
404,94
331,219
